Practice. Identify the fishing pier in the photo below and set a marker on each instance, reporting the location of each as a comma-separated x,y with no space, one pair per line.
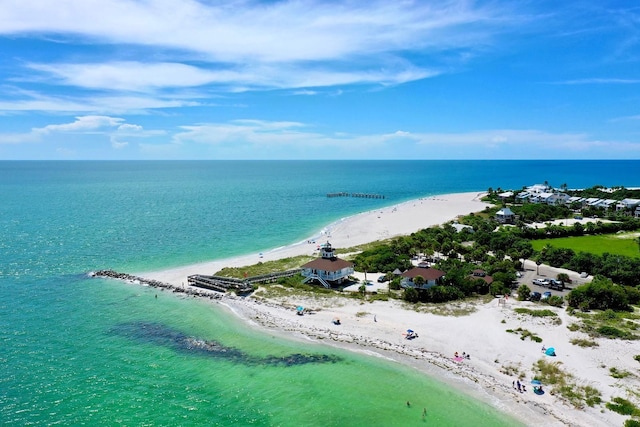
358,195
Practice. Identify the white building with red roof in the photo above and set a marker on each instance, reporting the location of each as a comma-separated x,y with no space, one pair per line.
328,269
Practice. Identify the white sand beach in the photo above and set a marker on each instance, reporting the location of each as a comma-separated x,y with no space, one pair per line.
376,328
401,219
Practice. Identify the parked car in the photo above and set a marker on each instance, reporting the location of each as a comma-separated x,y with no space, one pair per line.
556,284
535,296
541,282
545,295
382,279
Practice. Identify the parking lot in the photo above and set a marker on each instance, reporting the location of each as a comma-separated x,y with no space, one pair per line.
532,271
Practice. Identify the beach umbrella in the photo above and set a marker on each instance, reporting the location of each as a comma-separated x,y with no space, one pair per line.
300,308
536,382
550,351
410,331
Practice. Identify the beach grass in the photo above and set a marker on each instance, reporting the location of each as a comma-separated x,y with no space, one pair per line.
535,313
608,324
616,244
552,316
623,407
581,342
451,308
524,334
565,385
265,267
615,373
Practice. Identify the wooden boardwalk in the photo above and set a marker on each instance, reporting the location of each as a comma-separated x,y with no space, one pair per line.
241,286
214,283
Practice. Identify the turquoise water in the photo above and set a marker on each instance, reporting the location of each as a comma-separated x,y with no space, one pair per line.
70,353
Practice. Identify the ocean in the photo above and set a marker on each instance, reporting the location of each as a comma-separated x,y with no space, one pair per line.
76,350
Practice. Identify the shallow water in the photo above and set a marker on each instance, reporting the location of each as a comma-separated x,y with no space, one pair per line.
66,358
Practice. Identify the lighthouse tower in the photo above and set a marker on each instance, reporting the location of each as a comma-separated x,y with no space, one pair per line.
327,252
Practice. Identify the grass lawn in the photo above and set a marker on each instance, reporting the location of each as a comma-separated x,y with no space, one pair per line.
618,244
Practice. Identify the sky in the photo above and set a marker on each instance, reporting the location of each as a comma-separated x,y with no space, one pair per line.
261,80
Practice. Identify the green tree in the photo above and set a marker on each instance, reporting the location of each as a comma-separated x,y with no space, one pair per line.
363,289
410,295
600,294
499,288
523,292
418,281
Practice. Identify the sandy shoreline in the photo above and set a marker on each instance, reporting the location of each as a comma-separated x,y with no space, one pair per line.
379,224
376,327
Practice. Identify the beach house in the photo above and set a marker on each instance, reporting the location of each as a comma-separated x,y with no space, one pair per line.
481,274
627,205
329,270
431,276
505,216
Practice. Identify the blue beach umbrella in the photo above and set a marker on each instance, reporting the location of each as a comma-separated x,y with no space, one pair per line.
410,331
536,382
300,308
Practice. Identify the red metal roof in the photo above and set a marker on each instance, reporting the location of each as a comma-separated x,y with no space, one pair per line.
328,264
425,273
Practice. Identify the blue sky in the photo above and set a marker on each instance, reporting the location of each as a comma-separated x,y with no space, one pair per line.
186,79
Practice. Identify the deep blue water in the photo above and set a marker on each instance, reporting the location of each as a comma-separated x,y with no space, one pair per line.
61,363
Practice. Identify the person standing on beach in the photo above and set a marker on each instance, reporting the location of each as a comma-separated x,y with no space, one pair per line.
519,386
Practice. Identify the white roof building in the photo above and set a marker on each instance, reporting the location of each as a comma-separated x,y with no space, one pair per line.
625,204
505,215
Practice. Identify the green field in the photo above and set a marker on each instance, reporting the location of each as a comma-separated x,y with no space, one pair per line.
618,244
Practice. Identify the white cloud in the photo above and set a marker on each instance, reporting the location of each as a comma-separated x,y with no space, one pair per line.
151,77
608,81
83,124
112,127
31,101
250,45
117,144
232,31
129,128
507,143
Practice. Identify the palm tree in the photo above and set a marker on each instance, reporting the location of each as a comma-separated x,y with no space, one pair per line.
538,262
362,289
418,281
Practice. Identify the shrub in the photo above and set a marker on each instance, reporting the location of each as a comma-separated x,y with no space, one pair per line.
622,406
499,288
523,292
535,313
410,295
555,301
601,294
615,373
632,423
611,332
584,343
